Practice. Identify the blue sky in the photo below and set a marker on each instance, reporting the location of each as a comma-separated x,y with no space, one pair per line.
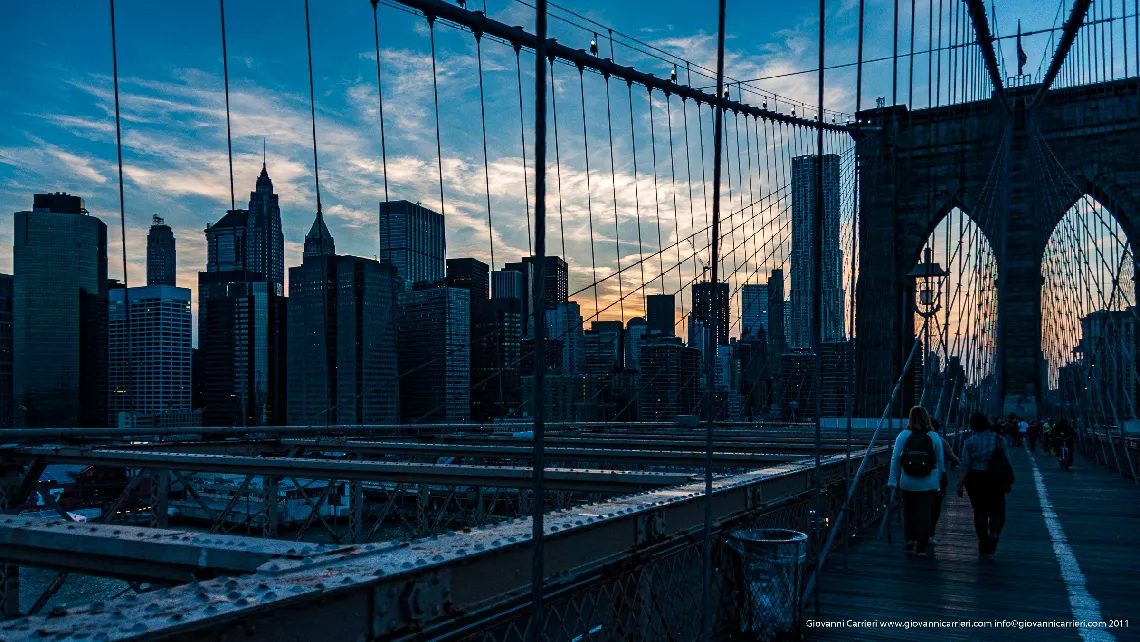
56,103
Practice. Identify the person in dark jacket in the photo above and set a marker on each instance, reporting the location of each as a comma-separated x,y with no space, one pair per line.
918,491
982,456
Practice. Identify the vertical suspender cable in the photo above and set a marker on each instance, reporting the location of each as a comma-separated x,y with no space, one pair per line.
486,168
435,94
122,216
711,323
817,304
313,110
537,568
226,76
557,157
522,135
383,142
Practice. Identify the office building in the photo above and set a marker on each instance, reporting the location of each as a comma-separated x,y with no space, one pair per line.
1108,352
413,239
661,311
702,294
564,329
161,262
341,337
6,320
434,354
635,333
150,351
777,315
670,380
496,360
515,284
250,240
59,300
508,284
753,309
601,349
242,343
567,397
556,279
471,275
242,315
803,259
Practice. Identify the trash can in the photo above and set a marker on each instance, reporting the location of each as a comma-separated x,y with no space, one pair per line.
771,568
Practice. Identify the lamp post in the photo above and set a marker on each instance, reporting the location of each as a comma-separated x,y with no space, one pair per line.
928,277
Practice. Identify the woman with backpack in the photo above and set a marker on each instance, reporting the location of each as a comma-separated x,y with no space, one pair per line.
986,473
917,464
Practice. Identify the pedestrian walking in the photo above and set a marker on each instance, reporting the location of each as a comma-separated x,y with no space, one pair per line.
987,475
950,460
1033,434
1022,431
917,464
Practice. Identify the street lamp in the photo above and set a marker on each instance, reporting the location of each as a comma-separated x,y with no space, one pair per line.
928,278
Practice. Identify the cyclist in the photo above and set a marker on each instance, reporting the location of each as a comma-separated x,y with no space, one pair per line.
1062,435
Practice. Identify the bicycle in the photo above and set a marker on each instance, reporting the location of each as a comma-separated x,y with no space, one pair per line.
1065,458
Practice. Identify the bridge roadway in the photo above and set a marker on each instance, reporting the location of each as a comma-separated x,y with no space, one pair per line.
1073,566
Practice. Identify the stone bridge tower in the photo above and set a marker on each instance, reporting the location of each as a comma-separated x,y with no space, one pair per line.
1016,170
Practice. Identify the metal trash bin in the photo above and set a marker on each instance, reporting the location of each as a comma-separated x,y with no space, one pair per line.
771,572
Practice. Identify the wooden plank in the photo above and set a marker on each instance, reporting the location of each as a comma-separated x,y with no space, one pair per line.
1099,514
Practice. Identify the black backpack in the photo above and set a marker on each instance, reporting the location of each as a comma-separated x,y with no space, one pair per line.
918,455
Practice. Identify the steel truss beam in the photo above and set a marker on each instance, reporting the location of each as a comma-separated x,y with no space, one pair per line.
605,481
367,592
518,37
504,451
141,554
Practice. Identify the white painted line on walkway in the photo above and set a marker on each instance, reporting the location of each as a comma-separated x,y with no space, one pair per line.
1084,605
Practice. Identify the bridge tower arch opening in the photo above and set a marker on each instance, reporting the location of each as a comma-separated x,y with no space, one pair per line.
1089,329
955,371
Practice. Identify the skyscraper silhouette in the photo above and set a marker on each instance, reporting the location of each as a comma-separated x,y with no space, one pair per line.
161,260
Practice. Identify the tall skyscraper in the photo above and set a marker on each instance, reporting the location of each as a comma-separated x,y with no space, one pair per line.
242,314
250,240
496,360
661,314
556,279
803,258
242,343
777,337
670,379
515,283
341,337
635,332
413,239
434,354
471,275
161,260
6,319
564,328
150,352
702,293
60,315
508,284
753,309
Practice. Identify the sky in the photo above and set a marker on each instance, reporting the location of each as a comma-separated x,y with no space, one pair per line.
57,103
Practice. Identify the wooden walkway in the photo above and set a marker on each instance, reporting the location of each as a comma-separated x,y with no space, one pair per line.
1097,519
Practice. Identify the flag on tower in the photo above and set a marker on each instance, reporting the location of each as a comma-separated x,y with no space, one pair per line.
1021,57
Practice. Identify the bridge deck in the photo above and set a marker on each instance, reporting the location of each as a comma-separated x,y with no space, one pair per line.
1097,525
